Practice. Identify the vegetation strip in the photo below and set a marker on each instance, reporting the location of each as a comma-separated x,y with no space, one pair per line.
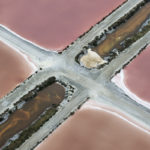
124,31
121,34
31,112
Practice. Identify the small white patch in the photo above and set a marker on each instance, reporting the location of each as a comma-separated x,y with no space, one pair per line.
91,60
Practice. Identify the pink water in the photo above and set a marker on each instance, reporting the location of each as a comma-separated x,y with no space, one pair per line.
15,67
134,79
94,127
53,24
137,75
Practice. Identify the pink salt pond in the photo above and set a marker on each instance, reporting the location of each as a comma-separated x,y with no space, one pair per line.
134,79
95,127
53,24
15,67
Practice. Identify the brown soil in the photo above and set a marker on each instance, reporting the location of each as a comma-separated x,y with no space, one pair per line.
124,31
32,109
